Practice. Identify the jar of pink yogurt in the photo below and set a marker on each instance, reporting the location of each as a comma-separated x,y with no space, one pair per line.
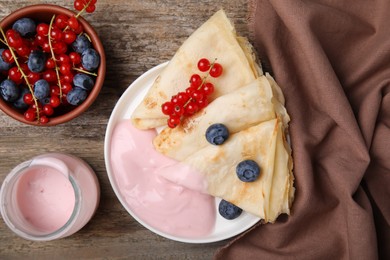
48,197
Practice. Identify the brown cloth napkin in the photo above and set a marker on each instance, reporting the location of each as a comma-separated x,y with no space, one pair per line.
332,61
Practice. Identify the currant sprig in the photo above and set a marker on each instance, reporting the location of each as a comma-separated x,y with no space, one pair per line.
24,76
195,97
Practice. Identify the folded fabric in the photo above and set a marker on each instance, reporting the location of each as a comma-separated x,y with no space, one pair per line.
331,59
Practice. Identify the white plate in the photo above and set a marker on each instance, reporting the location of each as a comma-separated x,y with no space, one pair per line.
130,99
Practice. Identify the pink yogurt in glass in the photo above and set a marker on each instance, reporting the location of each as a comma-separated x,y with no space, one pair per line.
51,196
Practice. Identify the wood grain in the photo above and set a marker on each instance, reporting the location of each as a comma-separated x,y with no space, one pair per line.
137,35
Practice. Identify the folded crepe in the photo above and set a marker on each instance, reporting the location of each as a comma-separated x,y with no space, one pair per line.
250,105
215,39
272,193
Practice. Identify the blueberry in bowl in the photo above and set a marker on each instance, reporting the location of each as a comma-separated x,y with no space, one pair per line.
43,51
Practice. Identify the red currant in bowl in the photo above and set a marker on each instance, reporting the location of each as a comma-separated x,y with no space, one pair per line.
53,35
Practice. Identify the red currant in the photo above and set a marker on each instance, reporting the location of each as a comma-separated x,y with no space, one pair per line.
202,103
50,64
197,95
195,80
7,56
14,39
30,115
61,21
91,8
55,101
69,37
23,50
191,108
204,64
78,5
42,29
182,97
79,29
56,34
59,47
63,58
49,75
167,108
28,99
33,77
43,120
46,47
66,87
48,110
15,75
67,78
75,58
208,88
178,110
216,70
65,68
73,23
173,121
54,90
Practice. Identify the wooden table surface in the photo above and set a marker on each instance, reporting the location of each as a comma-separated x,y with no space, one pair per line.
137,35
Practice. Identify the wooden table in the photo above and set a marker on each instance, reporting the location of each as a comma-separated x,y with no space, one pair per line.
137,35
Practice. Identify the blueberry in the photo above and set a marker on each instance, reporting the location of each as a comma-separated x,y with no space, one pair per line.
9,91
25,26
248,171
76,96
229,210
81,44
41,89
90,59
19,103
217,134
45,101
83,81
4,65
36,61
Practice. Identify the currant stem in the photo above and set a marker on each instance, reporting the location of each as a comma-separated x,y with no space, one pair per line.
79,13
54,57
84,71
203,81
22,72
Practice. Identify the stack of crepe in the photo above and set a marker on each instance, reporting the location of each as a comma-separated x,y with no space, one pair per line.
247,101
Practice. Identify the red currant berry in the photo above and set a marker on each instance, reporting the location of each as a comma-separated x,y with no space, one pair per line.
67,78
54,90
14,39
167,108
178,110
195,80
61,21
30,115
191,108
25,68
65,68
202,103
183,97
33,106
91,8
197,95
43,120
23,50
42,29
48,110
208,88
59,47
204,64
69,37
49,76
66,87
216,70
41,39
73,23
55,101
50,64
46,47
63,58
56,34
173,121
15,75
79,29
75,58
190,90
7,56
28,99
78,5
33,77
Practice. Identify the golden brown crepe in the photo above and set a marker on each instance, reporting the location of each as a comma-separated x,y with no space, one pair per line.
215,39
248,105
272,193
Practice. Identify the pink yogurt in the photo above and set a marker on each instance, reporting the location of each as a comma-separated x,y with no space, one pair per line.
48,197
166,206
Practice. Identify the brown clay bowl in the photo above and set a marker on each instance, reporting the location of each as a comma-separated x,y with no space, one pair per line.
62,114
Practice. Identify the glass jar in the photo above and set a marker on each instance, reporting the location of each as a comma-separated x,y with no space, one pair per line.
49,197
